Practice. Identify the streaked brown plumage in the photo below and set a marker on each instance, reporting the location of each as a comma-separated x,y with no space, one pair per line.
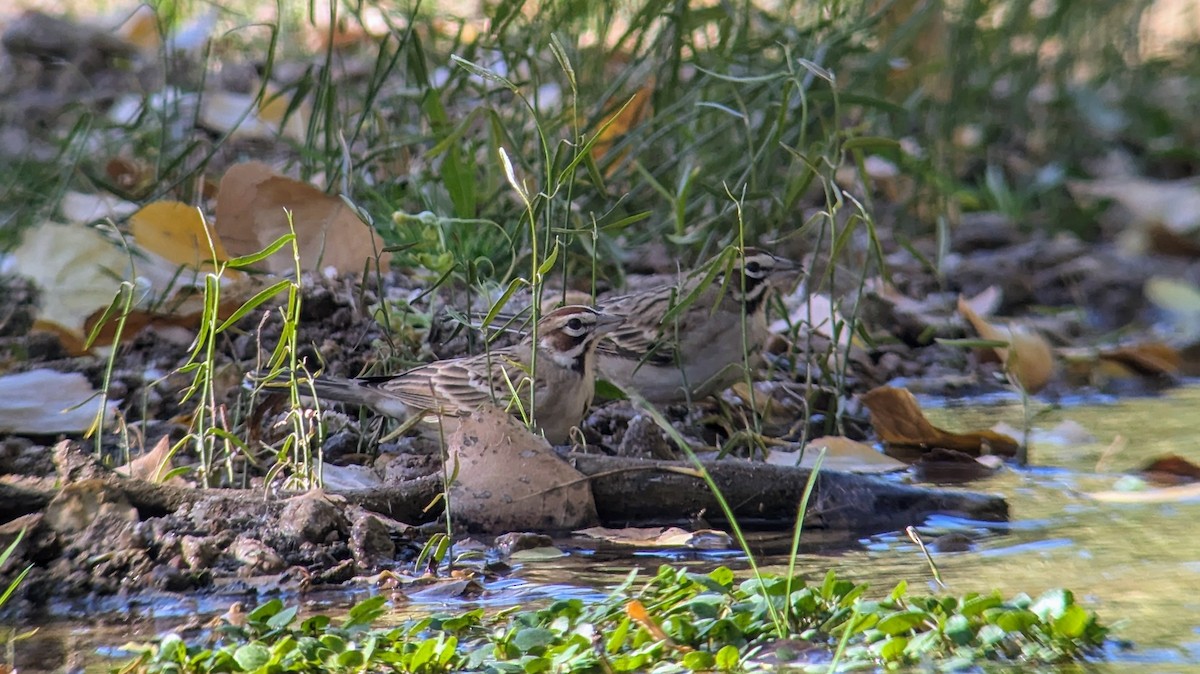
445,389
704,347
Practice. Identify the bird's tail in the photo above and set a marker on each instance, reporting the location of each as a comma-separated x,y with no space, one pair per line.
364,391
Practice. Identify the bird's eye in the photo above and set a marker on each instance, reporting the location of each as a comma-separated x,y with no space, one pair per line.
575,324
753,267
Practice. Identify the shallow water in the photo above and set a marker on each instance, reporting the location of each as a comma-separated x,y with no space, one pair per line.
1137,565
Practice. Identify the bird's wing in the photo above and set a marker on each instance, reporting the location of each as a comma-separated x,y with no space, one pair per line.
455,387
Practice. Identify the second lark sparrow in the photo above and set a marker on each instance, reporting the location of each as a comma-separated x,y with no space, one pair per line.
563,376
686,340
672,356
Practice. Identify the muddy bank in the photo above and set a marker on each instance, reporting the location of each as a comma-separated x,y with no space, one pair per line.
99,533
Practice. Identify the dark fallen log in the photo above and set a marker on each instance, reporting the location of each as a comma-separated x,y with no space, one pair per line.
16,501
638,491
405,502
627,491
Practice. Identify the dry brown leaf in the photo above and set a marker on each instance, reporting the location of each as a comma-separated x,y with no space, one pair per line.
1027,357
251,215
775,404
1146,359
952,466
900,423
1171,469
1154,362
187,316
841,453
133,176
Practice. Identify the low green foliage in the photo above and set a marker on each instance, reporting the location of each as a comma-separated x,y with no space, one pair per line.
678,621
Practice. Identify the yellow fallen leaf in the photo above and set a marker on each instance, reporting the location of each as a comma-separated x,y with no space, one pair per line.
141,30
1027,357
252,211
178,233
620,120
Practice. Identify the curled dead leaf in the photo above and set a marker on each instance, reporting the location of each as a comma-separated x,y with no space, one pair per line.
902,425
1027,358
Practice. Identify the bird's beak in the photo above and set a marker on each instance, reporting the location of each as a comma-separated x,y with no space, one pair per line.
783,264
606,323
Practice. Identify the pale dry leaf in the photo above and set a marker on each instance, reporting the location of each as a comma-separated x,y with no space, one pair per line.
82,208
509,479
634,536
1179,301
346,478
817,312
252,211
153,466
660,537
841,454
48,402
242,117
78,270
1027,358
1174,204
1182,493
987,301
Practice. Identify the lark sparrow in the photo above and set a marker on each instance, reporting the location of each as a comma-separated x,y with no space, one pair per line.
684,341
563,374
672,353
